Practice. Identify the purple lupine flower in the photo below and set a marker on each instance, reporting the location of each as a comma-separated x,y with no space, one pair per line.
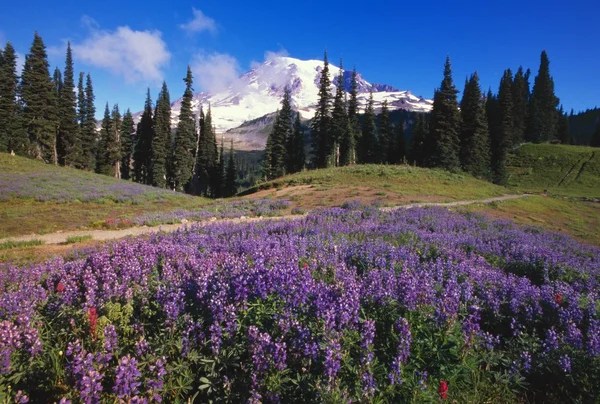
127,378
110,338
564,362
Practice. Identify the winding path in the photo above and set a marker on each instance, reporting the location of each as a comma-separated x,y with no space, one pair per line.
61,237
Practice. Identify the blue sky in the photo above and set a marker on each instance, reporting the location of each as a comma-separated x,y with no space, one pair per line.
128,46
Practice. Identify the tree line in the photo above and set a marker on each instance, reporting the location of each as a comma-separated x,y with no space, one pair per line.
46,117
474,134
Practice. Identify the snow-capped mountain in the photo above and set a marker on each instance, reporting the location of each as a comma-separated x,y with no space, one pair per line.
258,93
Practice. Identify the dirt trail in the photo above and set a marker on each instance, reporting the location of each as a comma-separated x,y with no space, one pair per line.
61,237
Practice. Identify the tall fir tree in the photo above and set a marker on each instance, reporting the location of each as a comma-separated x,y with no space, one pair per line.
127,142
203,157
339,119
281,134
295,149
543,117
520,96
114,150
231,177
563,129
321,124
368,152
161,140
474,134
184,145
595,140
418,144
88,127
69,142
386,136
39,101
12,136
501,140
103,165
398,151
222,170
266,168
352,134
445,124
81,100
142,153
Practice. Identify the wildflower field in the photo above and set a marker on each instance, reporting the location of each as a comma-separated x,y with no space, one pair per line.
343,305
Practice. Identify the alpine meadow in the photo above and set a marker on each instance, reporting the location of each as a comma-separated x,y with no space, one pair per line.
218,205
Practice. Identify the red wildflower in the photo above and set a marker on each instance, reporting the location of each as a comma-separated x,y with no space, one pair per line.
305,265
443,390
559,298
60,288
93,319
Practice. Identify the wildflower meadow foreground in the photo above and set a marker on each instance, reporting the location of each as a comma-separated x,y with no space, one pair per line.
344,305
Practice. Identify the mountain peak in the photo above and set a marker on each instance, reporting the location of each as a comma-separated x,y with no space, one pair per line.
259,91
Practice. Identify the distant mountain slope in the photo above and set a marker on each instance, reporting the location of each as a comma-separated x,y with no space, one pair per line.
258,93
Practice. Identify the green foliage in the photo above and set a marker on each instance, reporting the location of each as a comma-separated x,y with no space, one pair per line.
78,239
12,136
353,132
6,245
418,145
69,147
474,135
296,158
502,135
563,129
230,188
109,149
339,122
595,142
161,139
127,137
542,113
445,124
321,123
87,116
184,146
386,136
39,102
142,163
520,97
368,151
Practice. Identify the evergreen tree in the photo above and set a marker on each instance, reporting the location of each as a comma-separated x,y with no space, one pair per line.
161,140
348,145
207,162
445,124
38,97
281,134
12,137
142,153
595,141
564,132
114,154
103,164
88,126
520,95
418,146
81,101
266,169
295,148
367,149
231,177
222,171
398,152
127,142
502,136
69,142
474,134
386,136
543,116
321,124
339,119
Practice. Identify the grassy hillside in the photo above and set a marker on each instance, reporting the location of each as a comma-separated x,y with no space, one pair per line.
41,198
388,185
559,169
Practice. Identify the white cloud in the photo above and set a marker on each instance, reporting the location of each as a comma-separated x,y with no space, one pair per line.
200,23
215,72
274,74
134,55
